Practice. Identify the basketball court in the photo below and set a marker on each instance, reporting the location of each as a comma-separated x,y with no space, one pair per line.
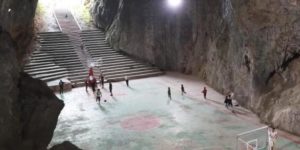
143,118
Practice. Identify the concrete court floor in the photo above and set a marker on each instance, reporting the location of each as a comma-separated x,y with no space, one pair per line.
143,118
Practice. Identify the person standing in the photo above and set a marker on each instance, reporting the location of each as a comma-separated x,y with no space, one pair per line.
127,81
86,82
204,91
93,84
182,90
169,93
61,87
226,101
102,80
272,136
81,46
98,95
110,88
230,101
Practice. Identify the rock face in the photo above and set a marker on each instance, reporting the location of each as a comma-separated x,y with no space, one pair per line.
17,18
65,146
28,108
248,47
39,112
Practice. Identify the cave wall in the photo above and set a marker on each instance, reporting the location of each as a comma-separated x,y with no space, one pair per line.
28,108
17,19
248,47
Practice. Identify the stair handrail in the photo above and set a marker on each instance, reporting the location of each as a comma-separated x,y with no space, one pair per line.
56,19
75,19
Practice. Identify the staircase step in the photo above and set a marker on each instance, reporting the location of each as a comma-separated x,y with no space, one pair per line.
52,78
55,41
39,57
51,74
38,72
132,65
41,60
60,52
74,68
96,43
50,33
118,61
124,68
42,69
105,54
102,50
53,38
56,46
122,71
95,47
93,38
67,61
134,76
33,64
92,33
111,58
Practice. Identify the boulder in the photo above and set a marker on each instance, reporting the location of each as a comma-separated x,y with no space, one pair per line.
65,146
40,109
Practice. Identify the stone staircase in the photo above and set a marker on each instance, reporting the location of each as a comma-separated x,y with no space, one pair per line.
114,64
61,55
55,59
42,66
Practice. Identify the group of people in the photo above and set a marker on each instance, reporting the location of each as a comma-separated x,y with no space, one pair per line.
204,91
228,100
92,82
228,97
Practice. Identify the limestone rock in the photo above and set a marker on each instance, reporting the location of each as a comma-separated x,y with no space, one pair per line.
10,126
17,19
40,110
243,46
65,146
104,11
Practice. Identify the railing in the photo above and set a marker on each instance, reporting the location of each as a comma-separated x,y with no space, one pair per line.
75,20
56,19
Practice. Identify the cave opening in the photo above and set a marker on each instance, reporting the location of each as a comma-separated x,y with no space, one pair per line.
46,17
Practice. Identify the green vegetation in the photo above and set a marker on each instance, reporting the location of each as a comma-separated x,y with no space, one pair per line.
83,12
40,10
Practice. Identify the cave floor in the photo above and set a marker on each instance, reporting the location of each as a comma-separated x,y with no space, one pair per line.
143,118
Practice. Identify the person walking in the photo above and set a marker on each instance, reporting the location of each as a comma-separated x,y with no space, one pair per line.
169,93
272,136
204,91
61,87
182,90
110,88
98,95
127,81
